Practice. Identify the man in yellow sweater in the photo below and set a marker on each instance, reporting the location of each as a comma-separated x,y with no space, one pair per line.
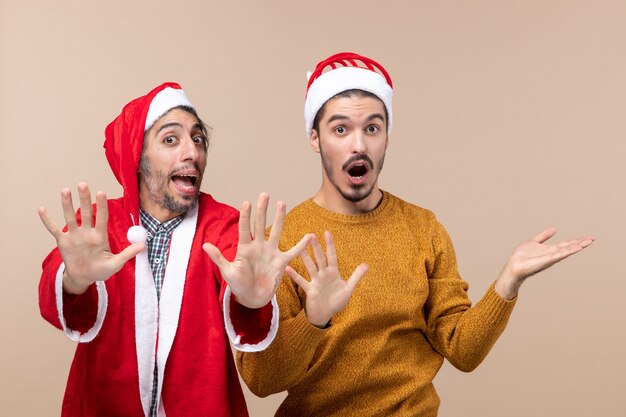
377,355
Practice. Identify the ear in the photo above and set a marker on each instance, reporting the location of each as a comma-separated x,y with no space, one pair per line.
315,141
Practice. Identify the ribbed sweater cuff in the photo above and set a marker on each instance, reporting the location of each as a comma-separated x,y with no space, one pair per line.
496,309
304,333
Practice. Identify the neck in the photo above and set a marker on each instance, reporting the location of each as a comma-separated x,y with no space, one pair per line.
329,198
159,213
156,210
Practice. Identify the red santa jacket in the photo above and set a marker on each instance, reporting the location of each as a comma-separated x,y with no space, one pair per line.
122,328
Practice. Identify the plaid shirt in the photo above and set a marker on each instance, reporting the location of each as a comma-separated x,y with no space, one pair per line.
158,241
159,237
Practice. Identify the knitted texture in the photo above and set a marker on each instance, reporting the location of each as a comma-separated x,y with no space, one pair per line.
383,350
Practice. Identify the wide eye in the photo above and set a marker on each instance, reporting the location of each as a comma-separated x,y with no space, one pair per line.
340,129
372,129
169,140
199,139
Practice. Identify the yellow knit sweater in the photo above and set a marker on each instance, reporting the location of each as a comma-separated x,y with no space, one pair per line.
381,353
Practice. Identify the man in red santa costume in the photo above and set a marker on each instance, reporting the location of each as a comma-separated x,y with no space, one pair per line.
151,312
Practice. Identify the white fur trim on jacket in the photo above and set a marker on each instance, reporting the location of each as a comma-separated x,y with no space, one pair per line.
161,410
236,339
103,301
342,79
154,319
173,286
146,322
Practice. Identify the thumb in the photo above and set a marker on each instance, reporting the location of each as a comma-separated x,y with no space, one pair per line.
356,276
298,248
131,251
298,279
216,256
128,253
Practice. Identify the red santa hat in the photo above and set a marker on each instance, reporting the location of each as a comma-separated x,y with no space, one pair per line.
341,72
124,137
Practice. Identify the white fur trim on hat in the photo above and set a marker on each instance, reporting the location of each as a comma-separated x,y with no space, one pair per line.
342,79
164,101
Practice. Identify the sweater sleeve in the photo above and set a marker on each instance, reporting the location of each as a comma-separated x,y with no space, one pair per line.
284,363
462,334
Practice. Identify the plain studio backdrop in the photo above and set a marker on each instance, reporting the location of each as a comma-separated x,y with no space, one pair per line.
510,116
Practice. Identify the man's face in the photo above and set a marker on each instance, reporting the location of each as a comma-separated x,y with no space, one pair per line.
172,165
352,141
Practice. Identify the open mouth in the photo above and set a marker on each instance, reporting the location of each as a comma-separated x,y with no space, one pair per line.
357,170
185,180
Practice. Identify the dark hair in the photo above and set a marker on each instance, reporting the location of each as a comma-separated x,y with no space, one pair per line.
206,129
347,94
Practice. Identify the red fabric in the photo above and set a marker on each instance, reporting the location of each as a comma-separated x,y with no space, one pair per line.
86,304
249,331
200,376
347,59
123,144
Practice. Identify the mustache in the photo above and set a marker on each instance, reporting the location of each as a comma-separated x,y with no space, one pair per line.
185,167
355,158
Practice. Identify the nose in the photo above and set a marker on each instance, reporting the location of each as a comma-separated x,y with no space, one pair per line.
190,151
358,142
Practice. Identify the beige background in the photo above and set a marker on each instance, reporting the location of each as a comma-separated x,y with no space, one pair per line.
509,116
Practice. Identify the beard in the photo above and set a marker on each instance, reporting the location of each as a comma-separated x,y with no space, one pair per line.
356,192
157,181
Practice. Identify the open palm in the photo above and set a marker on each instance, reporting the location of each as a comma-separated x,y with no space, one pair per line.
326,292
85,247
256,272
533,256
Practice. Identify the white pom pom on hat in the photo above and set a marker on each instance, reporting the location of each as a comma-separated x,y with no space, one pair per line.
137,234
346,71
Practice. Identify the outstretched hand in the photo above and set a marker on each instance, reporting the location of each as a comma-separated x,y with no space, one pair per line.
326,293
256,272
85,248
534,256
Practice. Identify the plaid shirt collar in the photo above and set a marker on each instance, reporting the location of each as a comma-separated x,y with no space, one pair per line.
153,226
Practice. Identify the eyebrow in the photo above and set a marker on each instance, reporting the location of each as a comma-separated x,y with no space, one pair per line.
178,125
168,125
343,117
376,116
